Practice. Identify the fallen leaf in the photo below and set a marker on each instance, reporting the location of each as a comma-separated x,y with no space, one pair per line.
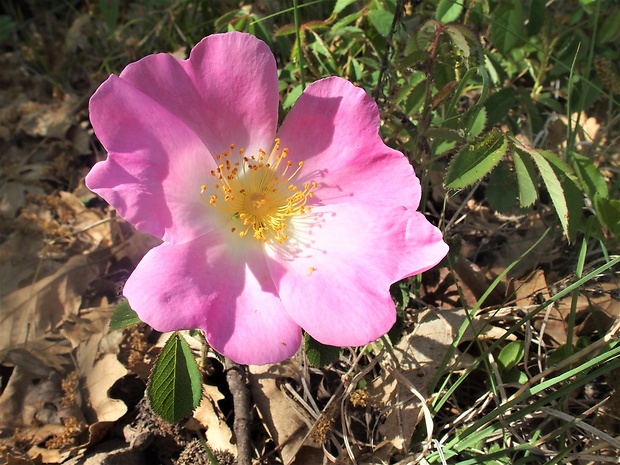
13,197
208,414
100,369
285,427
418,356
30,312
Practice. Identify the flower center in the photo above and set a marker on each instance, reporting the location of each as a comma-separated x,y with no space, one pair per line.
257,192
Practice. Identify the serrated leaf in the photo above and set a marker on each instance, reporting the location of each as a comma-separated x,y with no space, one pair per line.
175,386
458,39
526,179
474,161
448,10
319,354
573,193
590,176
123,316
502,190
608,214
507,26
426,34
554,187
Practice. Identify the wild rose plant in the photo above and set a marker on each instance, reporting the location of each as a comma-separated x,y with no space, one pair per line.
265,231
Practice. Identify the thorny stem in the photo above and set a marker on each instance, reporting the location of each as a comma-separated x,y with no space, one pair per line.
236,377
422,142
400,7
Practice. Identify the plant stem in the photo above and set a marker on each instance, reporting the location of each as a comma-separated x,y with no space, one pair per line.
236,377
299,50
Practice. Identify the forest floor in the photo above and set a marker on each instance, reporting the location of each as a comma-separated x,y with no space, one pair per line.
72,390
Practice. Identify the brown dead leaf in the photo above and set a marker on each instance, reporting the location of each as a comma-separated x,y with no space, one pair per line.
30,312
286,428
87,225
47,120
13,197
528,291
208,414
34,403
418,356
100,369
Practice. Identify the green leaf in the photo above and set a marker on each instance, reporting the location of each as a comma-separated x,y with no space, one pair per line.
319,354
448,10
510,356
382,21
573,192
536,16
341,5
110,10
499,104
474,161
292,97
458,39
502,190
425,36
507,26
123,316
475,120
526,179
553,185
175,386
7,26
610,32
443,134
590,176
608,214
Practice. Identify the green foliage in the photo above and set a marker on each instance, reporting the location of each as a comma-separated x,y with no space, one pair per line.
318,354
123,316
7,26
469,91
448,11
175,385
476,160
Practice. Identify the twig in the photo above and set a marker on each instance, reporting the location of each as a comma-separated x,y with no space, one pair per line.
400,7
236,377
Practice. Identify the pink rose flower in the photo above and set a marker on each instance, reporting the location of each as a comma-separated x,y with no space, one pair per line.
264,231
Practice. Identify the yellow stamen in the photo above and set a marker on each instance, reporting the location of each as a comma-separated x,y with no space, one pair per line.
257,191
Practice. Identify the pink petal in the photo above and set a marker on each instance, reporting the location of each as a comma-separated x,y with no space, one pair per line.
226,92
155,167
336,285
163,119
222,287
333,128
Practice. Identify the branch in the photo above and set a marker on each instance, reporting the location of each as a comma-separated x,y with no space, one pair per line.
236,376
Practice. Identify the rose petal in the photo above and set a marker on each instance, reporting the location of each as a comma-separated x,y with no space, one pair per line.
333,128
155,167
226,92
219,283
336,287
162,119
